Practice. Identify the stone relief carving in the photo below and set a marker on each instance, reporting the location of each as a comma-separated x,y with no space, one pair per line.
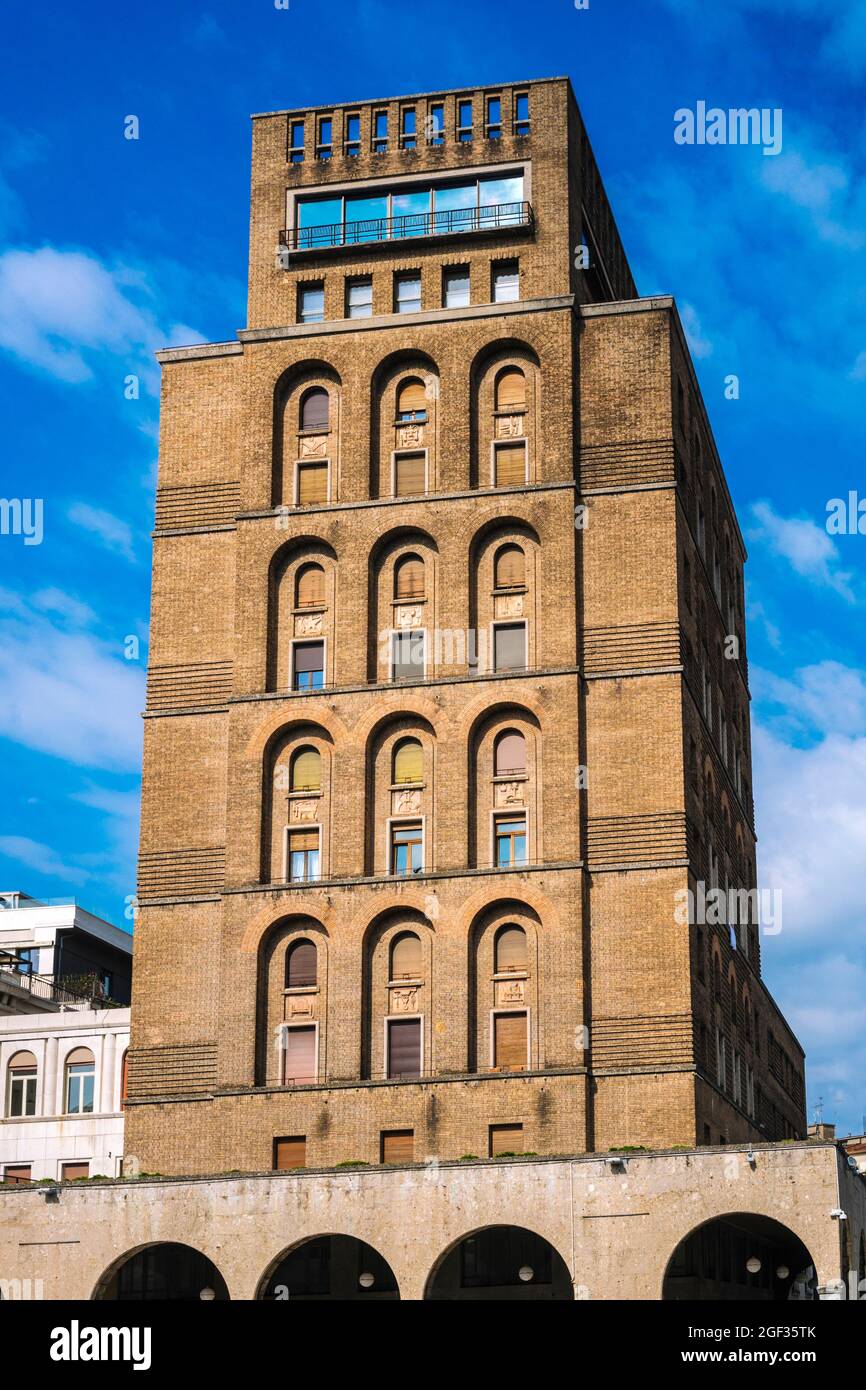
408,616
300,1005
510,992
302,810
410,435
509,605
312,446
509,793
404,1000
509,427
307,623
406,803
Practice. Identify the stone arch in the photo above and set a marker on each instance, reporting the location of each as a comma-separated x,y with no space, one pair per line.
291,443
491,795
286,811
385,1001
330,1266
160,1270
385,612
301,712
489,994
506,1263
389,804
710,1260
488,605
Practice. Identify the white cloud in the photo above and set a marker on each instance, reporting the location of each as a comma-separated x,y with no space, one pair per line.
806,546
67,693
53,600
825,698
40,858
858,370
697,339
59,309
114,533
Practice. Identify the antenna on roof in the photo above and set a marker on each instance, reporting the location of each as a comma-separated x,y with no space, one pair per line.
819,1111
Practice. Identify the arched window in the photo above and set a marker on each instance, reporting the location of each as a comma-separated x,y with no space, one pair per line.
306,770
409,761
80,1081
21,1097
310,587
409,577
406,957
511,389
509,568
510,949
411,401
301,965
509,754
315,409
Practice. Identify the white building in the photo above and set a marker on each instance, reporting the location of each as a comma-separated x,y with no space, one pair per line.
51,950
63,1079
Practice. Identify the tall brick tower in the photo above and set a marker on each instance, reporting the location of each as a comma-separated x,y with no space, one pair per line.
444,711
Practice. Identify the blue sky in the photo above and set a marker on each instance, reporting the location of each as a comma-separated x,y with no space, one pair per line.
110,248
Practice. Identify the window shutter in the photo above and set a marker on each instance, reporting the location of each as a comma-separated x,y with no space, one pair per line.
314,411
509,1042
510,465
307,771
303,840
510,754
404,1047
511,390
511,949
406,957
24,1061
312,484
412,396
302,965
409,475
509,647
15,1173
68,1171
290,1153
300,1056
309,656
311,586
80,1056
506,1139
510,567
409,578
398,1146
409,762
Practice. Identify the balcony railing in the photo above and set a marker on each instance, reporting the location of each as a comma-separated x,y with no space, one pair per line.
39,987
497,217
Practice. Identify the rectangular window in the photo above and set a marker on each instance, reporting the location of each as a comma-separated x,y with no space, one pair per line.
80,1080
505,1139
325,142
509,647
509,1042
296,143
407,293
15,1173
303,856
509,464
397,1146
464,121
404,1047
436,124
312,484
290,1152
407,655
506,282
311,303
455,287
510,835
380,132
407,128
493,123
521,113
407,848
70,1171
409,474
308,666
300,1064
359,298
353,135
22,1093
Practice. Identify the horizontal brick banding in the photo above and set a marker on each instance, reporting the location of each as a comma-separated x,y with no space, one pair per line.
181,1070
203,504
632,647
636,839
179,687
181,871
633,464
621,1042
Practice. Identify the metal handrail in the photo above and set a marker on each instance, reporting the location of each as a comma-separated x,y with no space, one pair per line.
39,986
420,224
